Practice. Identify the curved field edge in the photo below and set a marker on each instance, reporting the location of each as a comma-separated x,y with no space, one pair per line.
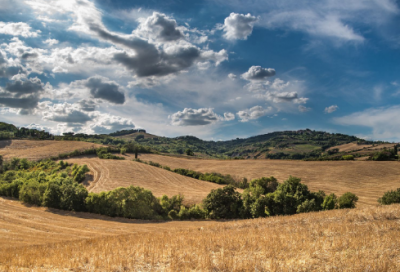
110,174
369,180
364,239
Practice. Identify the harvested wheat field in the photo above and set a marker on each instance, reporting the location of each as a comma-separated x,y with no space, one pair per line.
355,147
367,179
110,174
364,239
36,150
22,225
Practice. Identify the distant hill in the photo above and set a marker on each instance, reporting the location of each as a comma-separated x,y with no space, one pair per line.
297,145
300,144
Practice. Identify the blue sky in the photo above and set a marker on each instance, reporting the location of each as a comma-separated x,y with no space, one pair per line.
213,69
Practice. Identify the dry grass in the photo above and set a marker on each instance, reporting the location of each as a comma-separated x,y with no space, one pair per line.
343,240
111,174
367,179
36,150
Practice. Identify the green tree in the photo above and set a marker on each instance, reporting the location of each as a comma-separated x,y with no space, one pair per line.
347,201
223,203
330,202
390,197
189,152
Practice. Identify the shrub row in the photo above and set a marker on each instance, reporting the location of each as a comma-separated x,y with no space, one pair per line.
211,177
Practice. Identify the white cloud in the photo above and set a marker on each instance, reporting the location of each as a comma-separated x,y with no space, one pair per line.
238,26
18,29
193,117
331,109
258,73
51,42
335,20
303,108
253,113
232,76
229,116
278,91
384,122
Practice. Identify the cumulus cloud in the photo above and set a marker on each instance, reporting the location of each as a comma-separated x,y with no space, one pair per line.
87,105
258,73
18,29
107,90
238,26
22,93
23,86
193,117
229,116
159,27
253,113
73,116
331,109
106,123
232,76
8,69
51,42
277,91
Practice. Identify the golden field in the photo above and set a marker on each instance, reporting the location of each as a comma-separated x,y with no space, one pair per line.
367,179
36,150
111,174
363,239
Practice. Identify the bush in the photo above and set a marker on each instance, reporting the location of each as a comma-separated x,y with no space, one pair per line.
390,197
156,164
347,201
330,202
189,152
348,157
123,151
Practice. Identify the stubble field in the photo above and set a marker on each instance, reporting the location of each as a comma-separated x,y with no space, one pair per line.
110,174
365,239
367,179
36,150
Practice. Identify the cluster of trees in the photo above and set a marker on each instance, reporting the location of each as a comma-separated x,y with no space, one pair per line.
9,131
104,153
386,155
45,183
293,156
266,197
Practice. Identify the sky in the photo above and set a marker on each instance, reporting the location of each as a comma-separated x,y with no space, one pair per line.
213,69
